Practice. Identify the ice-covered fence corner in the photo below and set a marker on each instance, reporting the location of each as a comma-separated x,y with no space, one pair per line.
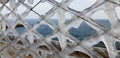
31,44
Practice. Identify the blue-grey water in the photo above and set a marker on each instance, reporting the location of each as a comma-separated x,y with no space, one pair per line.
80,33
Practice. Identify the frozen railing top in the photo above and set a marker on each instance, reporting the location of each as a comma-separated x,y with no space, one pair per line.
32,44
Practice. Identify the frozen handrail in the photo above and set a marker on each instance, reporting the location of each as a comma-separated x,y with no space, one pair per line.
32,44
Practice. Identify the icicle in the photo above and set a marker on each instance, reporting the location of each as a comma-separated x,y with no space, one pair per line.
109,43
61,17
61,24
62,40
31,37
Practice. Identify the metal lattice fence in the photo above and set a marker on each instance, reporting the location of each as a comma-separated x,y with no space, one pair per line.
31,44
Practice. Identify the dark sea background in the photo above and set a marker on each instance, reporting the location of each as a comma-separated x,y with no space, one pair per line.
82,32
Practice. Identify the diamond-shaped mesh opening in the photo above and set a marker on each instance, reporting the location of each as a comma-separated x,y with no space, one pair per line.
19,45
117,45
11,35
4,11
100,44
44,30
32,18
82,32
3,43
21,9
32,22
80,5
101,18
11,53
54,19
20,28
10,20
41,8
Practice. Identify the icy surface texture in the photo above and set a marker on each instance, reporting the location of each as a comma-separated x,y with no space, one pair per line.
31,44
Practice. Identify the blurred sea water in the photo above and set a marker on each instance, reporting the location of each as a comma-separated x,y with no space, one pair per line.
81,32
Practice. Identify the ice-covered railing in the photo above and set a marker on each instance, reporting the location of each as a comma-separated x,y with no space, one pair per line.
31,44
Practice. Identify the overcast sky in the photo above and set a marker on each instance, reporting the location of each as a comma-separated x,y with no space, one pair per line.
78,5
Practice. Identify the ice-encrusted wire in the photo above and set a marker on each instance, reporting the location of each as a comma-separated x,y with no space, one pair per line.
31,44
